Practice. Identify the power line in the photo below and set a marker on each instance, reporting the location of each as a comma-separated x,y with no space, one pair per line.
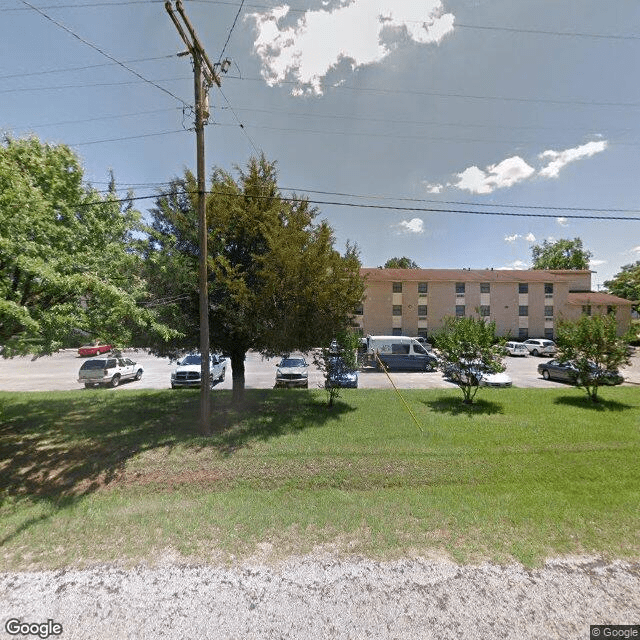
83,68
103,53
235,115
233,26
142,135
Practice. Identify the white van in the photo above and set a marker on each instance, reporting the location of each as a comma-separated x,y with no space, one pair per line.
399,352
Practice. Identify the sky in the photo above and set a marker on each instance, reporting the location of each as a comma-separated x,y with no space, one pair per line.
458,133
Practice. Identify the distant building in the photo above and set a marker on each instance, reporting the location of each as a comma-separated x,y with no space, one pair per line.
523,304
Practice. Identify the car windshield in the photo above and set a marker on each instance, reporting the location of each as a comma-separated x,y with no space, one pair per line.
93,364
192,359
292,362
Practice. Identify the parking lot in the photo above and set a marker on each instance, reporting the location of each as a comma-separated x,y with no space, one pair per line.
59,372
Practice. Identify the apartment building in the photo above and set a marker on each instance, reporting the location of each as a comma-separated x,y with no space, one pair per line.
523,304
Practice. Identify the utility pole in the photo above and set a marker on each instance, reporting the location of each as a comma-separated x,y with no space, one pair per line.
205,77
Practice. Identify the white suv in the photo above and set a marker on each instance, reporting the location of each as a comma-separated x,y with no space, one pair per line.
516,349
108,371
187,373
541,347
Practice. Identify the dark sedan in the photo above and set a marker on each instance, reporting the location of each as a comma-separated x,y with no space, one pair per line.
568,372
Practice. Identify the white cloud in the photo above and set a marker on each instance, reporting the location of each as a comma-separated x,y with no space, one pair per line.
529,237
495,176
597,263
563,222
636,249
434,188
560,159
357,32
516,264
415,225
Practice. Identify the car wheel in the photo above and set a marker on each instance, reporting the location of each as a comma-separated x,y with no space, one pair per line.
173,386
138,374
535,352
88,385
545,374
115,381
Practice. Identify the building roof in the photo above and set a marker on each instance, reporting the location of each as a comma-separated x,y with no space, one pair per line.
596,298
466,275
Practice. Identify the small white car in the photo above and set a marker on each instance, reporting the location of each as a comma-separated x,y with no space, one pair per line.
188,372
516,349
541,347
108,371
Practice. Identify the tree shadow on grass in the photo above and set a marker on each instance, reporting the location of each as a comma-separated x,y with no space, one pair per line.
584,402
58,448
456,407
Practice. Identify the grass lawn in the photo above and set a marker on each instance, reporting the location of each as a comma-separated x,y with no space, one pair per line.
97,476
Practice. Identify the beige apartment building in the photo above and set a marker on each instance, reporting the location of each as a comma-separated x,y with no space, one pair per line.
523,304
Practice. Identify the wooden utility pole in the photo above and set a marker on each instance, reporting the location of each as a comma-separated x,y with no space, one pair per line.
204,77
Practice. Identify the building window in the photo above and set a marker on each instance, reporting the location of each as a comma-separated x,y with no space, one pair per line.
548,310
523,333
422,287
548,334
422,310
359,310
460,288
459,310
485,287
523,287
396,331
523,310
485,310
586,309
397,287
422,333
548,288
397,310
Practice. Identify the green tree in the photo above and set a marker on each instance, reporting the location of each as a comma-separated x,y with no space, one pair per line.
277,284
593,347
340,355
562,254
467,347
401,263
68,260
626,283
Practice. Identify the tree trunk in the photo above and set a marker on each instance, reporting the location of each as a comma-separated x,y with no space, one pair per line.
237,369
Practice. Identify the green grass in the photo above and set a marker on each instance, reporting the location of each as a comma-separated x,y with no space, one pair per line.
523,474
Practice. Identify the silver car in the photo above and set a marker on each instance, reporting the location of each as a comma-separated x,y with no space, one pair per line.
541,347
292,372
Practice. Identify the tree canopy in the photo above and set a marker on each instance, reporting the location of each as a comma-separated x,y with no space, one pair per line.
467,347
69,270
401,263
593,347
626,283
561,254
276,282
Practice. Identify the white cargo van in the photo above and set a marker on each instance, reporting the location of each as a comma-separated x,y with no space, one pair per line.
399,353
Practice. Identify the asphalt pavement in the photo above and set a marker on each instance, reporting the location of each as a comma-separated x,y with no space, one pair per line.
59,372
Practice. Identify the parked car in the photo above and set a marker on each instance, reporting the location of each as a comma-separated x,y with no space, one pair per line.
340,375
108,371
399,353
568,372
292,372
516,349
95,349
540,347
475,375
188,372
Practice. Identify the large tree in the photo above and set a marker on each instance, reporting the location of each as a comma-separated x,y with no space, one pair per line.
626,283
68,264
276,282
401,263
593,347
561,254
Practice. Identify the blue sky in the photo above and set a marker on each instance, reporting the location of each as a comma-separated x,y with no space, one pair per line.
467,107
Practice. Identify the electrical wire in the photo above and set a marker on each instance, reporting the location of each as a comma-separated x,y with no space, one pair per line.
233,26
103,53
